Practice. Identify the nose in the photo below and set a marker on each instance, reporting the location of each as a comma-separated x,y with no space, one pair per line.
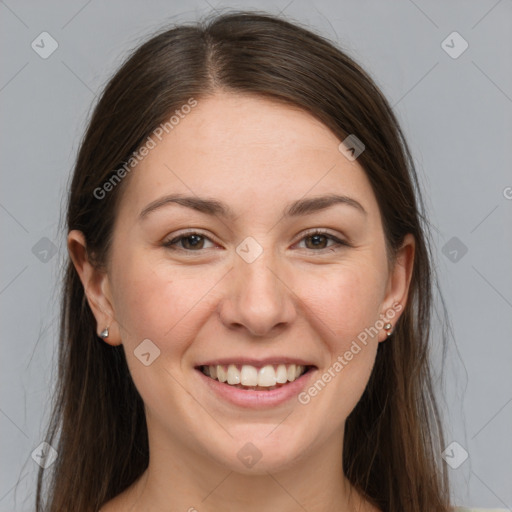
258,298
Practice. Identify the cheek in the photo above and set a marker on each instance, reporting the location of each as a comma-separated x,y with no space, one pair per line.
159,302
346,306
346,299
166,306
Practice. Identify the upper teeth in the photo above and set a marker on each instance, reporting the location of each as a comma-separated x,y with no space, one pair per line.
266,376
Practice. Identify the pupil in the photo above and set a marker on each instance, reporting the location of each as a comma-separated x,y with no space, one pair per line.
317,239
193,240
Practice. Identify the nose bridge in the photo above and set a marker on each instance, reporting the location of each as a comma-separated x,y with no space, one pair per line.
258,298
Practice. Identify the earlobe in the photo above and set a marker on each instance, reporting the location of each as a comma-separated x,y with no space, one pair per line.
96,288
398,285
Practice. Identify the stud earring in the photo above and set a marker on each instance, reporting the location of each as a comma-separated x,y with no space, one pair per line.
388,328
104,333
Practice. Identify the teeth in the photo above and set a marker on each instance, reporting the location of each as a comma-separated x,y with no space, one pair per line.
221,373
267,376
281,374
249,376
233,374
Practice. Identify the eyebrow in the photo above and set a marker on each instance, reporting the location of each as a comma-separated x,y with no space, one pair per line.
217,208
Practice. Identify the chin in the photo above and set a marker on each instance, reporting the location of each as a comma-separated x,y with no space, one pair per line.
258,449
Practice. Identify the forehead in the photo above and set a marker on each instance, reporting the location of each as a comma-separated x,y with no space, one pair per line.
241,149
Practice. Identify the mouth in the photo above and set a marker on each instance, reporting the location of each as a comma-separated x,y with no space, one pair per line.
255,378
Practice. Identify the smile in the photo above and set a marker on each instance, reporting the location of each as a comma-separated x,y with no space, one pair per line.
248,377
251,383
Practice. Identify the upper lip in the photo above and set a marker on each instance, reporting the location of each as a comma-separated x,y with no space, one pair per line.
258,363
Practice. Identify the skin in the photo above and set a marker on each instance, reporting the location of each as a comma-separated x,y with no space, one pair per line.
294,300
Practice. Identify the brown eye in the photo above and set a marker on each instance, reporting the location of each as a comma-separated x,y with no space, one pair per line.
319,240
190,242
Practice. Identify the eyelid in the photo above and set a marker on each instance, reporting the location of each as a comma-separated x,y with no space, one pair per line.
322,231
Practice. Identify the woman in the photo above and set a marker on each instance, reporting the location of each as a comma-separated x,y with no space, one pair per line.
246,309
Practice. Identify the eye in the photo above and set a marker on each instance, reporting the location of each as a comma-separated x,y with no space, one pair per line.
193,241
189,242
318,240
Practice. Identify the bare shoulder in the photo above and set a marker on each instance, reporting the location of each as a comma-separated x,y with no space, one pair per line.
126,500
110,506
469,509
117,504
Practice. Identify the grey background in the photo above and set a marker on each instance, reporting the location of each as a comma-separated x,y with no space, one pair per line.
456,114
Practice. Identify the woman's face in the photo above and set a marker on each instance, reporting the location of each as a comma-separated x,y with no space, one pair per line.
251,286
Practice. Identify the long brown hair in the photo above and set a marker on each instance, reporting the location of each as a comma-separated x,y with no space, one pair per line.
393,437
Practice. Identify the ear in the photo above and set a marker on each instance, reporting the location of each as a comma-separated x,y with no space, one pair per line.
96,287
398,284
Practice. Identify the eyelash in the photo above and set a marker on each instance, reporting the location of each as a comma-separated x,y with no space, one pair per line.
170,244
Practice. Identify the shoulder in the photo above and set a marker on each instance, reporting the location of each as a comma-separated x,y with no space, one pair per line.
114,505
466,509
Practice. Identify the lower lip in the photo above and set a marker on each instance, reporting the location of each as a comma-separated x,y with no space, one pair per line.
252,399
